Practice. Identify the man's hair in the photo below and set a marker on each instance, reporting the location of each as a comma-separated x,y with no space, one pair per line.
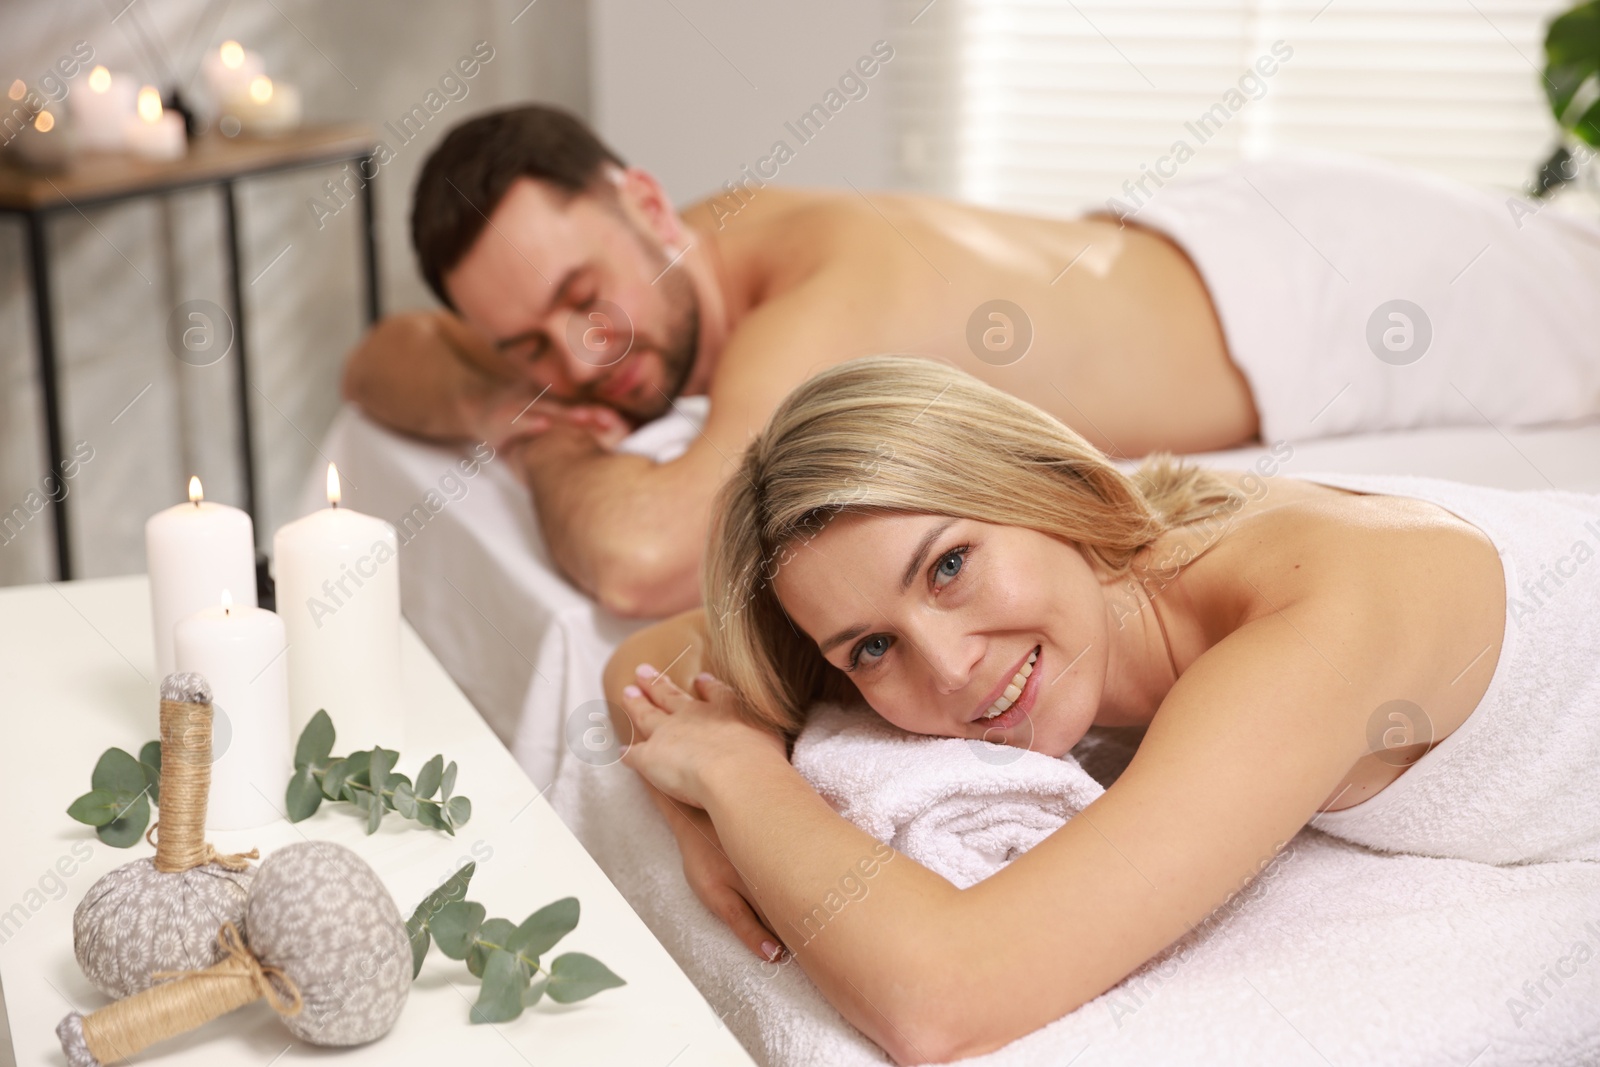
467,175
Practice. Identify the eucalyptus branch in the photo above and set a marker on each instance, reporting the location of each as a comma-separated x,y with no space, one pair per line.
368,780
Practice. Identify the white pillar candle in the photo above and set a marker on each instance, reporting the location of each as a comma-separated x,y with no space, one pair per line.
154,133
101,109
230,69
338,590
264,107
193,552
240,652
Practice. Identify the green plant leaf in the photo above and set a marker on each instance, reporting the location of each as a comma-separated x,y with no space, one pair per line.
428,778
316,741
504,982
575,976
304,795
333,779
455,925
396,783
126,830
98,806
381,763
375,814
420,940
493,934
356,767
429,815
150,760
447,781
534,992
457,812
404,801
540,931
117,772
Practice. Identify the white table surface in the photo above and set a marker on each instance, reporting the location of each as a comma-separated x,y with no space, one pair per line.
77,677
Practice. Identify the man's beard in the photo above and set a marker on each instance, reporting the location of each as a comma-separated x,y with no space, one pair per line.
677,347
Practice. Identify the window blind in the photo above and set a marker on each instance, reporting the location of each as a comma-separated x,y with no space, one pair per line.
1052,105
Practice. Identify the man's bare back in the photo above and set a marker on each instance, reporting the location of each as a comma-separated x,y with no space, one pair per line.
584,312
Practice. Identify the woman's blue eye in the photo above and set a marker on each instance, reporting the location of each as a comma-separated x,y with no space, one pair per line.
874,646
949,566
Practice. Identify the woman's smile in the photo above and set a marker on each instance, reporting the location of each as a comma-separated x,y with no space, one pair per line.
1016,699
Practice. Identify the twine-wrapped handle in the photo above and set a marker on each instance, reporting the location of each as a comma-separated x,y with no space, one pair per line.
186,719
189,1000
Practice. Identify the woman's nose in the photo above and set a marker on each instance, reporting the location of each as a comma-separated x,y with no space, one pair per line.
951,664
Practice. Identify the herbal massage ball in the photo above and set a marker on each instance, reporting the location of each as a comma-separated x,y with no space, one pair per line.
327,950
162,914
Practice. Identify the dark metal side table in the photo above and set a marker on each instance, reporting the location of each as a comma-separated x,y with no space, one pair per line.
94,180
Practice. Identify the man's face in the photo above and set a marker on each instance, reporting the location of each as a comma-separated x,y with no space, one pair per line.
579,299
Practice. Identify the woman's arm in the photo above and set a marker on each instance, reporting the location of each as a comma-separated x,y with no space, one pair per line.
1246,747
681,641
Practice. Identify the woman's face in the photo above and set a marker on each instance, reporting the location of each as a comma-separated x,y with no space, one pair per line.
955,627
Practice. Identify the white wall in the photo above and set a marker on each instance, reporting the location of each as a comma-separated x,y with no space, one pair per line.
693,90
120,270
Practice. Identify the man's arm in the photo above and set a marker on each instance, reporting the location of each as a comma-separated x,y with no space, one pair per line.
632,532
425,373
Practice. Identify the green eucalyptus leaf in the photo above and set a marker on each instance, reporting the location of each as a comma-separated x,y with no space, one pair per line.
359,797
382,762
333,779
493,934
457,812
98,806
455,925
420,940
375,814
304,795
429,815
428,778
575,976
454,888
540,931
356,767
504,983
404,801
447,781
396,783
316,741
535,992
128,827
150,760
118,772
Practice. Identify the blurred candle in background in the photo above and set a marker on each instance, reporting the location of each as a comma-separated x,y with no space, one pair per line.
240,651
101,109
338,591
193,552
229,69
154,133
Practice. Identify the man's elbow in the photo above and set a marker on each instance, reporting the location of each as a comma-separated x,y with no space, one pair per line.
643,581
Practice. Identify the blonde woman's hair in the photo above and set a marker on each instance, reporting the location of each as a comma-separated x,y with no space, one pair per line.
896,434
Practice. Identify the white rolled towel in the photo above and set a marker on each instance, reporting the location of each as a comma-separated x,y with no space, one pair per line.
963,809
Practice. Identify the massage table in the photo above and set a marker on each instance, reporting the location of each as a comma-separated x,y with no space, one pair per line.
1349,956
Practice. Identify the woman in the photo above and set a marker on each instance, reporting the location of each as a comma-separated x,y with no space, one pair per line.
969,567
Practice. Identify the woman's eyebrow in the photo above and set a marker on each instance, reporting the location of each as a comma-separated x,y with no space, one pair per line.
922,550
841,637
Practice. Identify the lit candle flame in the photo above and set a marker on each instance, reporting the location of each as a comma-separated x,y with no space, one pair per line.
333,485
261,89
227,602
45,122
196,494
18,90
232,53
150,104
100,79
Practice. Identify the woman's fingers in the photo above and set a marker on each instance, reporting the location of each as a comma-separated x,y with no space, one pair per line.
733,909
661,689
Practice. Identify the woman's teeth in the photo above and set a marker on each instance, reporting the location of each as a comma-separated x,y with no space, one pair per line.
1014,690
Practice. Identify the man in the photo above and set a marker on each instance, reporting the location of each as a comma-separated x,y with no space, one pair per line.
1281,299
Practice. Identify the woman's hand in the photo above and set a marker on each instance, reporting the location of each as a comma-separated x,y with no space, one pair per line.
718,884
681,739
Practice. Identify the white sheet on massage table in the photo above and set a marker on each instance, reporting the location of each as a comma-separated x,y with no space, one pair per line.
527,647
